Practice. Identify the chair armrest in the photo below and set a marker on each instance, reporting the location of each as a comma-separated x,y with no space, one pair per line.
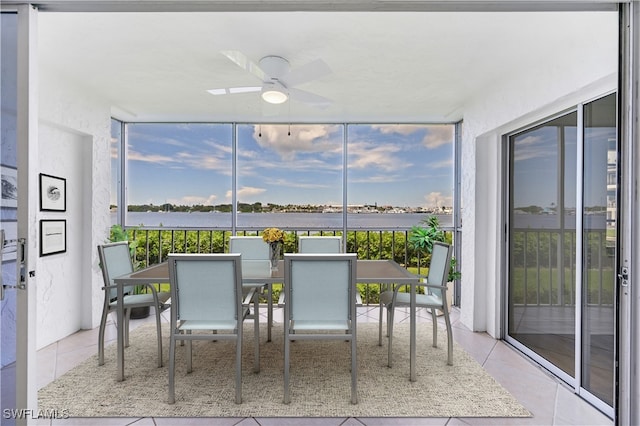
158,302
439,287
250,295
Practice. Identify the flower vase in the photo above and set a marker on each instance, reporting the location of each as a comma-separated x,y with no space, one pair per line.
274,255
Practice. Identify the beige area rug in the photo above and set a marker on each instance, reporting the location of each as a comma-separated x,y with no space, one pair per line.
320,381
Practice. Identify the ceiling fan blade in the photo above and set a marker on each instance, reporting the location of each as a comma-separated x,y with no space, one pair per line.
235,90
309,98
245,63
308,72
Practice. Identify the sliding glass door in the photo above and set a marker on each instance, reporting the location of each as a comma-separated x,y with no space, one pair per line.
562,245
599,230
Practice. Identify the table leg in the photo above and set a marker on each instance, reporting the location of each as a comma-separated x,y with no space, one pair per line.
269,310
412,331
120,328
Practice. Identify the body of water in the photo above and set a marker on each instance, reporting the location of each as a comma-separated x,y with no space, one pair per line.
323,221
280,220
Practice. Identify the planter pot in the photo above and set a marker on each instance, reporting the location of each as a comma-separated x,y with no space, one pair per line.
140,312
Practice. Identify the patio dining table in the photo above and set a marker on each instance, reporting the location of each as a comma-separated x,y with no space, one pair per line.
368,271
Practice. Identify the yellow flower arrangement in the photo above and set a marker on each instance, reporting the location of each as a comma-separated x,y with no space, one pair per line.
273,235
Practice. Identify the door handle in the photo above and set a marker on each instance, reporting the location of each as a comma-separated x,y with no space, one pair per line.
624,276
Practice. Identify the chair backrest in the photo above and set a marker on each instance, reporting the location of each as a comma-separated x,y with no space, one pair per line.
205,287
115,260
319,244
255,254
320,287
439,266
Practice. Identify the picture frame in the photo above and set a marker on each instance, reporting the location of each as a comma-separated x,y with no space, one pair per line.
9,250
53,193
53,236
9,187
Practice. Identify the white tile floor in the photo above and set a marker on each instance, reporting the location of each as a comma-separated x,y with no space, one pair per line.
550,401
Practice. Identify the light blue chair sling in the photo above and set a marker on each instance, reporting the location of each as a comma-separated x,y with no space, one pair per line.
255,263
206,290
320,304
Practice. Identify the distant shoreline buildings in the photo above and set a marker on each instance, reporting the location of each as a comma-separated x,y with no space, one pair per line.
289,208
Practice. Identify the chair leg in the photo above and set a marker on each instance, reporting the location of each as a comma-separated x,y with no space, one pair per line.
239,368
287,343
159,332
447,321
103,325
434,319
390,330
127,315
354,369
380,308
256,328
189,354
172,370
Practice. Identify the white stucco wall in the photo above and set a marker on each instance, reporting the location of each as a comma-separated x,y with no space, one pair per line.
561,81
74,143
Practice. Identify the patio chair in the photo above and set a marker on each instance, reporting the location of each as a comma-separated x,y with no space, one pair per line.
255,262
319,244
320,304
115,260
323,244
206,290
435,286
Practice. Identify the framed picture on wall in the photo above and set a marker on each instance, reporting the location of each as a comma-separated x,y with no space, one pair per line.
53,193
53,236
9,186
10,228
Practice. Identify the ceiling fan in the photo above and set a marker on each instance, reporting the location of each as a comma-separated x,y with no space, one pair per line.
278,79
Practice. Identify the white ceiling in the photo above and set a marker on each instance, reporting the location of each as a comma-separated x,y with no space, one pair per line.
386,66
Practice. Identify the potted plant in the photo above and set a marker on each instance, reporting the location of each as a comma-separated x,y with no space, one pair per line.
422,238
118,233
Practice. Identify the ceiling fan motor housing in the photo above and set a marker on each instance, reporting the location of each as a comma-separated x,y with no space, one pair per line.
274,66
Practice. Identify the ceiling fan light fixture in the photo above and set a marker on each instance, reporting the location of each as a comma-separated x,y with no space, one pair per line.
273,94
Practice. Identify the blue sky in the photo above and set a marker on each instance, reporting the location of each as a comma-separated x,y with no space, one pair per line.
186,164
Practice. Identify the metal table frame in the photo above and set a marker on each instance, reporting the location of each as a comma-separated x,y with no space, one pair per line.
368,271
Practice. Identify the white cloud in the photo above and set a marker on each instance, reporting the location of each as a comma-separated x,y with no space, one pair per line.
364,155
303,138
203,162
159,159
436,199
400,129
438,135
531,147
246,192
444,164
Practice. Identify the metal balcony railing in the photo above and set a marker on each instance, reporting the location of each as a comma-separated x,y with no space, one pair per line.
153,246
543,267
542,261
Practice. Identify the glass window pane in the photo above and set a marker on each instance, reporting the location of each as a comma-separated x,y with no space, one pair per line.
599,234
400,168
179,175
542,240
292,170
